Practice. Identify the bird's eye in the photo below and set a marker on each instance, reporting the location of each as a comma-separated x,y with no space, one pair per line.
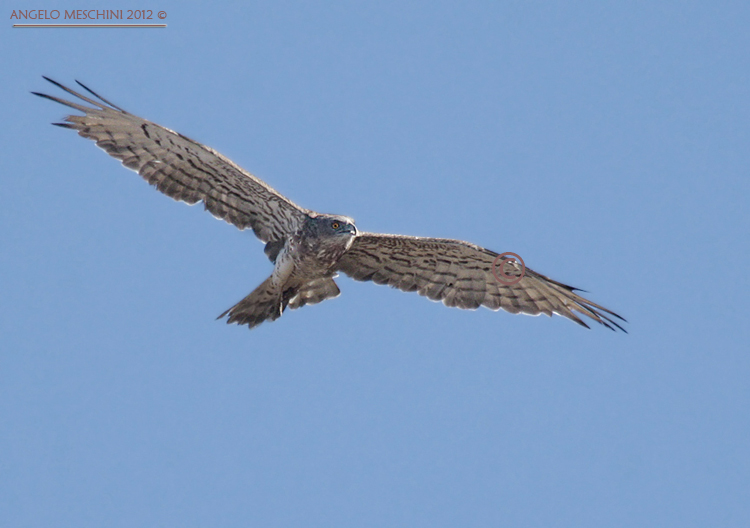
335,225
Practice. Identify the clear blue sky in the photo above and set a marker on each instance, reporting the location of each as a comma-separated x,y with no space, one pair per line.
604,142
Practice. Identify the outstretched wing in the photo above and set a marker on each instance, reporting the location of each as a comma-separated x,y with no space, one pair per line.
182,168
461,274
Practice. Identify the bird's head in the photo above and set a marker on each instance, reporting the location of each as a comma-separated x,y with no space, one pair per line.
331,235
332,227
336,225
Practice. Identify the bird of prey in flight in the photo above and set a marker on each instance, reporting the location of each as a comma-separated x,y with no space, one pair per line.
309,248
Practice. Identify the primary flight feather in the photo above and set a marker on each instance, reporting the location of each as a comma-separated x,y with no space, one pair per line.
309,248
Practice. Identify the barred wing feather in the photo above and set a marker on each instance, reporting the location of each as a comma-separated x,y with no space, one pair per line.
183,168
460,274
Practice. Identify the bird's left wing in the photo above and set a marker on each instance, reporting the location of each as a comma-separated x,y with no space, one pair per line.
461,274
182,168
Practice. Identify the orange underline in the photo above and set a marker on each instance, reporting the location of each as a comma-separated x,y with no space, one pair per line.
89,25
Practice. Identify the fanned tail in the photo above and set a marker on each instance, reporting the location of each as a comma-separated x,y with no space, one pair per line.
263,304
267,302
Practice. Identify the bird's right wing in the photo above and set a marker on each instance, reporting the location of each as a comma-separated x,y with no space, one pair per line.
464,275
182,168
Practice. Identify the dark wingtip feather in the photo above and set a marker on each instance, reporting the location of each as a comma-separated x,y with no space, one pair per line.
50,80
79,96
92,92
618,326
609,323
